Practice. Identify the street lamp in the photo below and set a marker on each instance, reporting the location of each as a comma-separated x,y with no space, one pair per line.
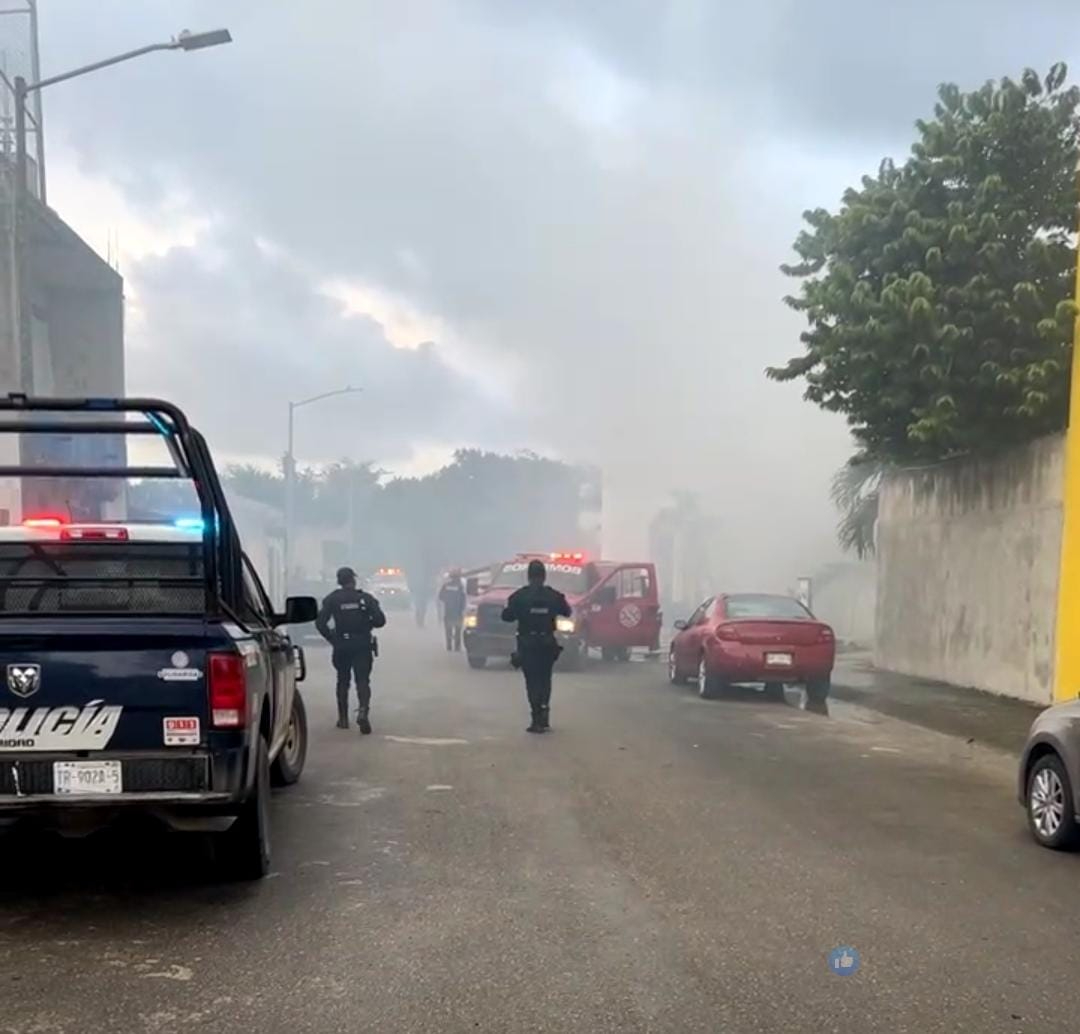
290,474
184,41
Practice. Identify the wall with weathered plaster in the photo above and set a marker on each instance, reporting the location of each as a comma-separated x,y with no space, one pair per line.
844,595
968,569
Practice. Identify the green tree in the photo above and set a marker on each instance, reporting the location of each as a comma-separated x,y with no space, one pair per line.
939,296
854,492
481,507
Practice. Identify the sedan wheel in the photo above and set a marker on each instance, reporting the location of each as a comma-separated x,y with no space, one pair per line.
673,669
709,686
1050,805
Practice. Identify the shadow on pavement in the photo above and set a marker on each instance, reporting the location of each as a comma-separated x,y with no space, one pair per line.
139,860
976,716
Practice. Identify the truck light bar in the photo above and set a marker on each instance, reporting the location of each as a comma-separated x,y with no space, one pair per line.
44,522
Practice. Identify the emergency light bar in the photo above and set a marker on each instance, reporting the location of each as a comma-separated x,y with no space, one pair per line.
572,558
59,529
44,522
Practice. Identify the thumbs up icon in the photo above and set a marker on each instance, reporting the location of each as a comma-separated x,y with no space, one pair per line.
844,961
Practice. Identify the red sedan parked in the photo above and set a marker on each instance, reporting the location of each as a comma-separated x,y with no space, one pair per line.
738,639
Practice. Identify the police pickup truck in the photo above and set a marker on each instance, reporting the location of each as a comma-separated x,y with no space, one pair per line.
144,671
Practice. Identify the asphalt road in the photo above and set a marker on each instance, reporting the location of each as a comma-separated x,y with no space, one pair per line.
656,863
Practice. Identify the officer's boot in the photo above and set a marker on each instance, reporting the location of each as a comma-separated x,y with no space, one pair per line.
343,709
544,714
362,721
537,722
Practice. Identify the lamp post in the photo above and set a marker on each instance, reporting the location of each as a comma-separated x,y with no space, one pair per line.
185,41
290,474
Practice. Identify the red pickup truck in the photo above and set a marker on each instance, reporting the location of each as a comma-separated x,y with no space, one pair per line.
615,608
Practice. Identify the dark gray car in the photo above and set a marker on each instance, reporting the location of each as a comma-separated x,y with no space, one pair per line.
1049,777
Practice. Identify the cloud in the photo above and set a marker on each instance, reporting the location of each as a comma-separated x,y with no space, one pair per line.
233,331
588,201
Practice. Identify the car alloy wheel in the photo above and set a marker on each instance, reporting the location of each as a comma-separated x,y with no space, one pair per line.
1047,802
672,667
702,679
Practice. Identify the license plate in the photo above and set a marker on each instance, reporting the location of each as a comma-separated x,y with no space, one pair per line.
72,778
779,659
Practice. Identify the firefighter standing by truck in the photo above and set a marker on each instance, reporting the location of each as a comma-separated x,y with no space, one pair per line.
452,601
346,621
536,607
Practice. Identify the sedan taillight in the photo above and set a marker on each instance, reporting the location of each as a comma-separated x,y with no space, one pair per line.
728,632
825,635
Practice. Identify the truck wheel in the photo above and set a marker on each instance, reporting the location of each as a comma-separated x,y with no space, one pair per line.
243,850
290,760
476,661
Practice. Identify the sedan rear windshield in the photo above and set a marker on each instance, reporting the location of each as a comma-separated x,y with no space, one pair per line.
766,607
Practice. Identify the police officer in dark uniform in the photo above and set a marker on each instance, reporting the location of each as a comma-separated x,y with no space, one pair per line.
354,614
535,607
452,598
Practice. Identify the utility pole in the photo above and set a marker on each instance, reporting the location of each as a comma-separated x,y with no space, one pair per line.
185,41
290,500
290,476
23,328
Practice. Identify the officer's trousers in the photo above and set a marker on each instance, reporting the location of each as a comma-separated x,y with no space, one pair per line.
453,633
353,660
538,655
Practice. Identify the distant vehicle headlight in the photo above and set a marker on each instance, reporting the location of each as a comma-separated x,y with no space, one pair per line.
470,621
564,625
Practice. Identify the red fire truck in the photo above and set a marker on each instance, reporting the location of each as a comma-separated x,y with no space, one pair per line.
615,605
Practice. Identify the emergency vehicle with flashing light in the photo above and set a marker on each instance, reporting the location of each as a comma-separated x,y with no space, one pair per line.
615,607
144,668
391,588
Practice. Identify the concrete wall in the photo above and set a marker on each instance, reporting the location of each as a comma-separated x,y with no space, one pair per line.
968,568
845,595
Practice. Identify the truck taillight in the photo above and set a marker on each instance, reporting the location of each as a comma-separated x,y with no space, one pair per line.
728,632
227,682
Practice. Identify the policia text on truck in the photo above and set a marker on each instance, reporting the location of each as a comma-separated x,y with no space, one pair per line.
145,669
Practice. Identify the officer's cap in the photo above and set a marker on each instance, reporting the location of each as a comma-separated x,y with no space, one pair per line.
346,576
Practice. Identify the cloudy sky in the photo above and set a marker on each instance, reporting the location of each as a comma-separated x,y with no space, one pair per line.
513,222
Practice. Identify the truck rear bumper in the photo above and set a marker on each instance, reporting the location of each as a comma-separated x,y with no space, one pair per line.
181,789
83,815
30,802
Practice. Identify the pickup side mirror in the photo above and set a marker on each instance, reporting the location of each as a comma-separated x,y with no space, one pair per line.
606,596
472,586
299,610
680,625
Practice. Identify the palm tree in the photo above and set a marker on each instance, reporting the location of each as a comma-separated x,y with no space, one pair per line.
854,492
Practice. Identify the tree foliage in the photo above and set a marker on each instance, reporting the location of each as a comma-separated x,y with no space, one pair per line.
854,492
482,507
939,296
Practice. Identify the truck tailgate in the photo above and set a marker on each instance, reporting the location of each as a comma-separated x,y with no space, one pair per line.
90,685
